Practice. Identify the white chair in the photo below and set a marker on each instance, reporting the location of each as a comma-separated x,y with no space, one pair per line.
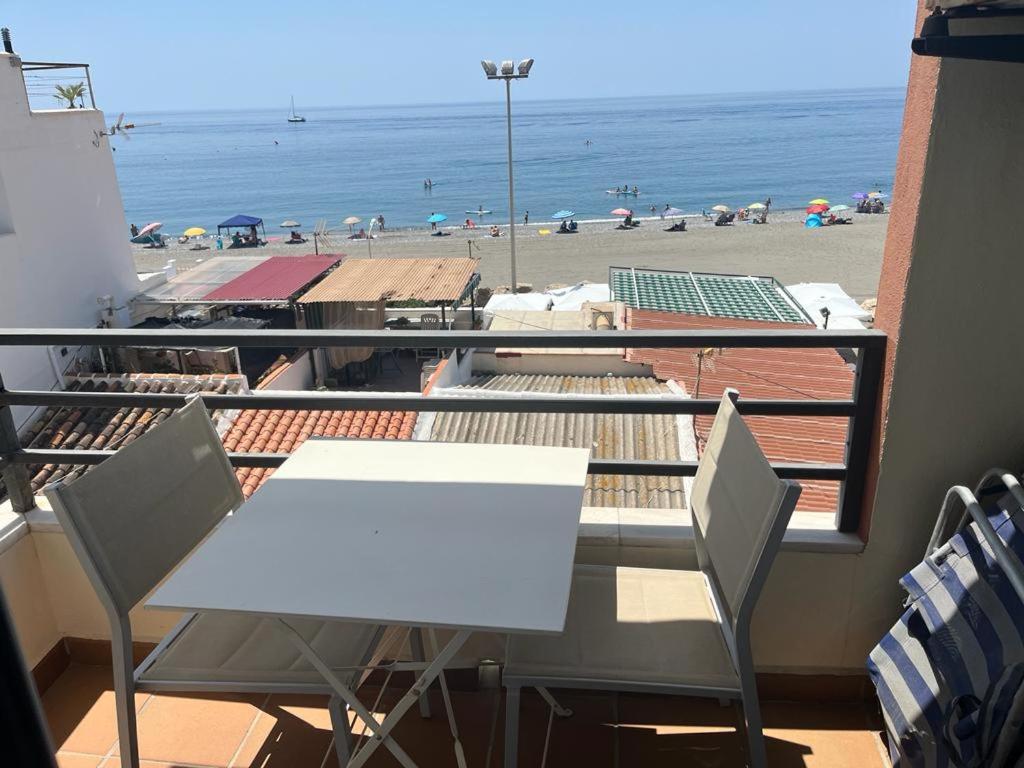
668,631
131,521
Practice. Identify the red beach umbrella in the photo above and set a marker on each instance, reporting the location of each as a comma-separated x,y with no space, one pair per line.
621,212
819,208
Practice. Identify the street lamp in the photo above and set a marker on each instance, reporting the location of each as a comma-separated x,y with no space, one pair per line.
508,73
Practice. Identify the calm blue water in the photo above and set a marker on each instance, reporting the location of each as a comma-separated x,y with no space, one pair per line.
198,168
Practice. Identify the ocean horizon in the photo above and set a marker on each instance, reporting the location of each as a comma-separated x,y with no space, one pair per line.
199,167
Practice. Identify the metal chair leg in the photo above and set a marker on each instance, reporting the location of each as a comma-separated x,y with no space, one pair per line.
124,696
342,731
511,727
755,728
416,644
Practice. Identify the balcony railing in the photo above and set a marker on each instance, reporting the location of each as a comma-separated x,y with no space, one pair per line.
42,78
860,408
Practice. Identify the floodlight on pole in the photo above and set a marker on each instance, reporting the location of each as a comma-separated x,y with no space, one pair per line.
508,74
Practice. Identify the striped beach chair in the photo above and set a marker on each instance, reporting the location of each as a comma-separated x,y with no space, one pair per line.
950,674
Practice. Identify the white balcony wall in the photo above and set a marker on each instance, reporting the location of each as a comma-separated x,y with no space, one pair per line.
63,242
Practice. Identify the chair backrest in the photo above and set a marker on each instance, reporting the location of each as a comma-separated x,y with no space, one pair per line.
740,510
134,517
430,320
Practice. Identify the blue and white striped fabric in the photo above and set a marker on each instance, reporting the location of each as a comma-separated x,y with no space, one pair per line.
963,628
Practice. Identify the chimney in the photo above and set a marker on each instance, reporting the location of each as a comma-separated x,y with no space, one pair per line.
6,34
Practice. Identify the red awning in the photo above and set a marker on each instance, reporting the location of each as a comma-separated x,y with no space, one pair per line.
276,279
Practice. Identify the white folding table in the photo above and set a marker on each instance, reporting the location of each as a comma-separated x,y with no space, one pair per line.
413,534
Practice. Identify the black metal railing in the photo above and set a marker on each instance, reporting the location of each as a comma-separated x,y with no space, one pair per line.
43,77
860,408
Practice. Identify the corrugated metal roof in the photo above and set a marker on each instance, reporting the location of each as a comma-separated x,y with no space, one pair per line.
792,374
276,279
198,281
699,293
618,436
395,280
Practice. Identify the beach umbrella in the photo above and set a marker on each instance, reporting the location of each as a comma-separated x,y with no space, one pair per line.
289,223
563,214
818,201
150,228
721,208
837,208
860,195
436,218
672,212
756,207
350,221
621,212
194,232
819,208
876,195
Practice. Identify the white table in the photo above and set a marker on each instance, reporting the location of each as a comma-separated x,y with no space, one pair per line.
434,535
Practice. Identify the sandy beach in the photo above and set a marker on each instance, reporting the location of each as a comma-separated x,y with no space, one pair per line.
848,255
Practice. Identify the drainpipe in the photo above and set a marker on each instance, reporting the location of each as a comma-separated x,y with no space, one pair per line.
5,33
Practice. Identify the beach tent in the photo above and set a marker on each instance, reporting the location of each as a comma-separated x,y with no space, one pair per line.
241,221
813,221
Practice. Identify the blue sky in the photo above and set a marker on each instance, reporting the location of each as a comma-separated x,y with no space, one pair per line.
184,54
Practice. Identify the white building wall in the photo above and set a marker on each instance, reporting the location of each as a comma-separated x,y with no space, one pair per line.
63,242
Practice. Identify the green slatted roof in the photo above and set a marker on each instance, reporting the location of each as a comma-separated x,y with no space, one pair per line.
700,293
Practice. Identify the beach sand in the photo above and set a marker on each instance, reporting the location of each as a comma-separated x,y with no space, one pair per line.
848,255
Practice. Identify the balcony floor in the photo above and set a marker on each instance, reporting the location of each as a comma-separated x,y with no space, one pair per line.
606,730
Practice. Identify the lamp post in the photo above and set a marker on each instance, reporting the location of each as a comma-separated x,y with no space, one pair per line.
508,73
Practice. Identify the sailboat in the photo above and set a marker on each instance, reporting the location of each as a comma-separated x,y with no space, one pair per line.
293,118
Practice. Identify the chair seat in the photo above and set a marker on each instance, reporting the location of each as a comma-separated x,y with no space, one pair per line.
634,626
240,649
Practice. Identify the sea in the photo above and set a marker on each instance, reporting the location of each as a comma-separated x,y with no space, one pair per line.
198,168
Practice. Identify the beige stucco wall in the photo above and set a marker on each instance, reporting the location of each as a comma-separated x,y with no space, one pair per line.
21,578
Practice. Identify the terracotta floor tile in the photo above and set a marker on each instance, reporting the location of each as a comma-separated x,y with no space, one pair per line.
65,760
290,731
196,729
80,711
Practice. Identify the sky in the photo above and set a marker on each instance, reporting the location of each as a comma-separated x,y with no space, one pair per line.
184,54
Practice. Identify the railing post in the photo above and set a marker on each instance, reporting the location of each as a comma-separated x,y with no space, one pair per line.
15,476
88,79
866,387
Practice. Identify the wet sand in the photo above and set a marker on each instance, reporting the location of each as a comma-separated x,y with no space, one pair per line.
848,255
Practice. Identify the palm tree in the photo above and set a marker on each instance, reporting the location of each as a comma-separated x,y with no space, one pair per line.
70,93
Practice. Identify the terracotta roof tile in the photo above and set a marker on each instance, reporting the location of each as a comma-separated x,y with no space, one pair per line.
792,374
110,428
278,431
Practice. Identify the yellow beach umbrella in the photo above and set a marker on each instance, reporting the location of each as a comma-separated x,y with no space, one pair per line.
818,201
194,232
756,206
722,208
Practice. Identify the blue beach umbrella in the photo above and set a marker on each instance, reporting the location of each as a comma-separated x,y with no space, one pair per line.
563,214
436,218
860,195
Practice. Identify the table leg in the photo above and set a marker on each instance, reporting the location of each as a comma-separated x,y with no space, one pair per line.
380,729
416,645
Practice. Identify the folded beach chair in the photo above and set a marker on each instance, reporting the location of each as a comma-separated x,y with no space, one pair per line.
131,521
950,674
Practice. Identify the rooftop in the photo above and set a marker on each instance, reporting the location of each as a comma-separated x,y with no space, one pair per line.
279,278
280,431
108,428
814,374
372,280
620,436
712,295
195,283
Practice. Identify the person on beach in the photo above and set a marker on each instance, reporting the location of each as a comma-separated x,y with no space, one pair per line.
380,221
433,224
654,209
134,231
526,218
